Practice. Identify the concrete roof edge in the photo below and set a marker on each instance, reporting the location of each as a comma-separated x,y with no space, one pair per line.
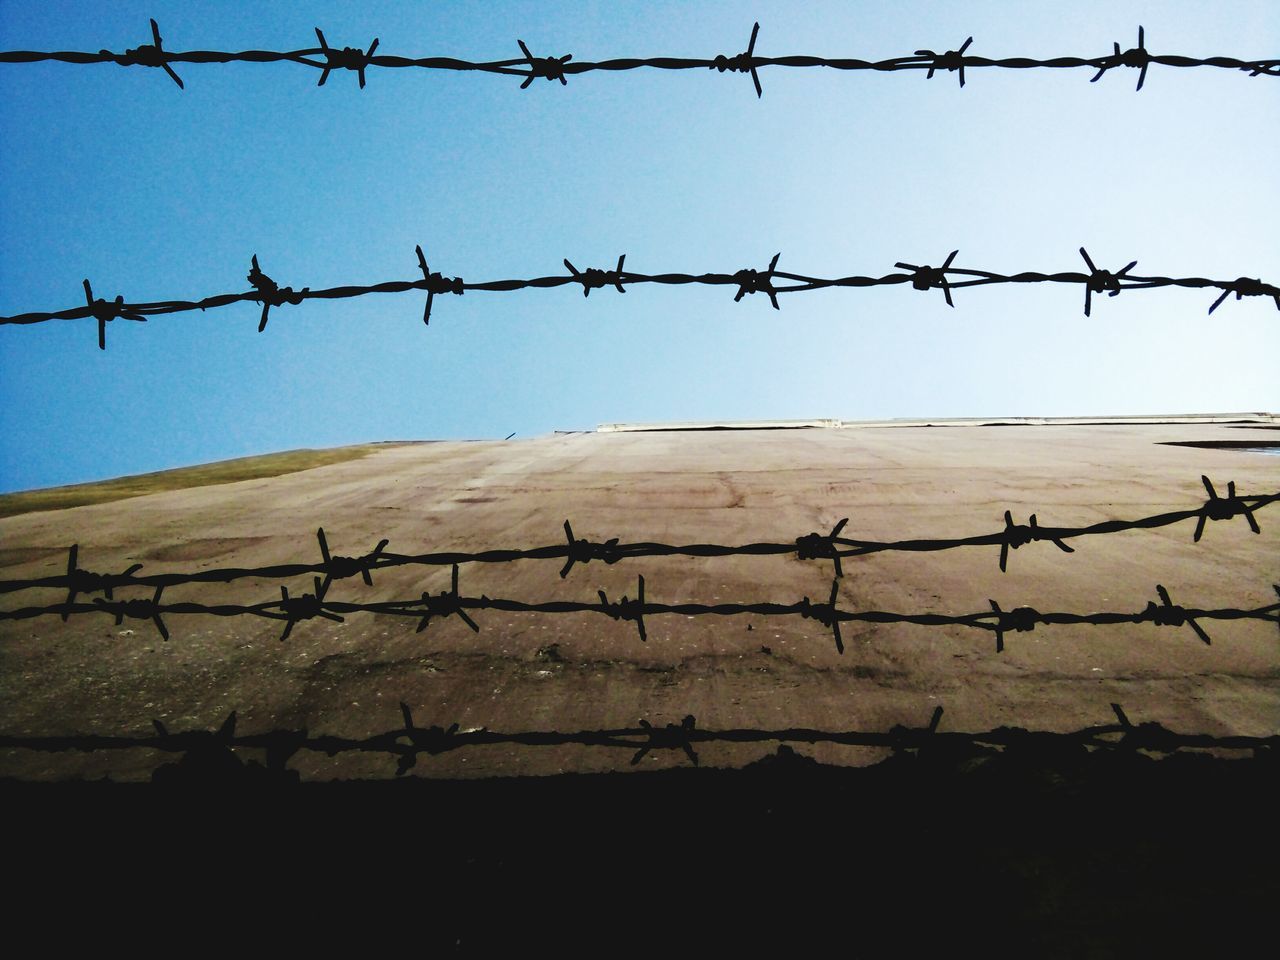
820,422
835,423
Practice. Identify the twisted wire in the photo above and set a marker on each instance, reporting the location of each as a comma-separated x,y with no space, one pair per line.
558,68
946,278
574,550
292,610
410,741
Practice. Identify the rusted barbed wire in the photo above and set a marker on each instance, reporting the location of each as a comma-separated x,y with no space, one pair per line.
452,602
558,68
946,278
811,546
407,743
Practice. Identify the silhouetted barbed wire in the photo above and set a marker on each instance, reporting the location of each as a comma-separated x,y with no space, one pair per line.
269,293
452,602
529,67
810,546
212,752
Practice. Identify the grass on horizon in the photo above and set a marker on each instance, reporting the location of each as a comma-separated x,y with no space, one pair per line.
181,478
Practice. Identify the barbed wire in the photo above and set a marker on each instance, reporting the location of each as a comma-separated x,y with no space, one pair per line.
559,68
451,602
574,551
214,749
269,293
407,743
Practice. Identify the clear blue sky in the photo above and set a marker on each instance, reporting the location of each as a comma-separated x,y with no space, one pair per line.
116,175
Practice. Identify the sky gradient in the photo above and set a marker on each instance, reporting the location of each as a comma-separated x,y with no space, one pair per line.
158,193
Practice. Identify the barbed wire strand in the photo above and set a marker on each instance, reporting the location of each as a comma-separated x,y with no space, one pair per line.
269,293
410,741
452,602
529,67
812,546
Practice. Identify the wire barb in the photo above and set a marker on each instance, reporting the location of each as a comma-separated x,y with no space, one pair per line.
1146,736
594,279
1223,508
208,756
952,60
550,67
670,737
435,283
138,609
147,55
1102,281
826,614
1016,536
815,546
340,568
758,281
1170,615
742,62
1247,287
626,609
104,312
1134,57
271,293
909,738
82,581
432,740
927,277
306,607
584,551
348,58
444,604
1021,619
935,719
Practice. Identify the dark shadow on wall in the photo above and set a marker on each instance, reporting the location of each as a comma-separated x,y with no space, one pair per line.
1042,847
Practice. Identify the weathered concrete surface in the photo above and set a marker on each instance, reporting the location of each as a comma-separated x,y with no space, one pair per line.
89,676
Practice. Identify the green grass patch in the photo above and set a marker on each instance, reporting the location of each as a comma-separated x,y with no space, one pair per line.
225,471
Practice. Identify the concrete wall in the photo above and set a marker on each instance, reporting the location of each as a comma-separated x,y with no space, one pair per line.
586,672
